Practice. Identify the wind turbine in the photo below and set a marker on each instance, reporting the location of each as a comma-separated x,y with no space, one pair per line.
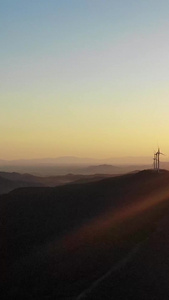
158,153
155,161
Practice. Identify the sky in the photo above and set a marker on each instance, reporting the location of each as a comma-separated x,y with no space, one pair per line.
86,78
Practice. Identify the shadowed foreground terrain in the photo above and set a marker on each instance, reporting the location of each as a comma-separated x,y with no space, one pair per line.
57,241
146,276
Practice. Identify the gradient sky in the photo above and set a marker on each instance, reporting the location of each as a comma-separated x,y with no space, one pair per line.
86,78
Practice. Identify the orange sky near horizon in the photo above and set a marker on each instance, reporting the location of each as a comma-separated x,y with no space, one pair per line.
86,79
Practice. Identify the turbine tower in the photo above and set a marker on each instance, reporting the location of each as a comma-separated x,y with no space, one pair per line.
158,153
155,161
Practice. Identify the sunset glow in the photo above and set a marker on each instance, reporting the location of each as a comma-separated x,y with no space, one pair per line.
84,78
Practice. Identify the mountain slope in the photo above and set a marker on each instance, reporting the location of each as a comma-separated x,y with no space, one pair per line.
56,241
145,276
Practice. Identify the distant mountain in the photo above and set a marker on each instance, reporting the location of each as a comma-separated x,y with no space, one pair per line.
60,170
76,165
65,160
104,169
110,169
73,160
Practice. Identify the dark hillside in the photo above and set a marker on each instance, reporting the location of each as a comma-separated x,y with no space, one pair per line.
24,180
56,241
7,185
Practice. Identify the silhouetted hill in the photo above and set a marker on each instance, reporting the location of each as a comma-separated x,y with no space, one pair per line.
45,181
56,241
16,180
7,185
